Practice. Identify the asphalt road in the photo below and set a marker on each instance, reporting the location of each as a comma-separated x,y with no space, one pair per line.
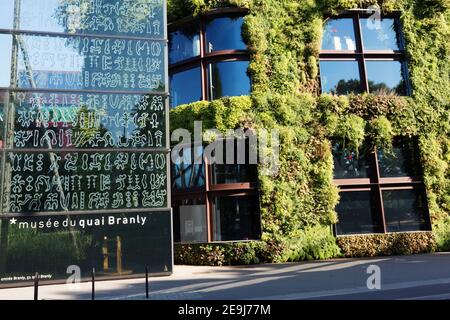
400,277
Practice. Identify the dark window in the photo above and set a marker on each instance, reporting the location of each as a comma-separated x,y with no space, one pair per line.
405,210
185,87
357,213
236,218
184,44
221,62
379,186
363,54
229,194
340,77
228,79
224,34
349,163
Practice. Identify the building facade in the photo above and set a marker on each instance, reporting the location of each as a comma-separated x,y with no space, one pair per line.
359,94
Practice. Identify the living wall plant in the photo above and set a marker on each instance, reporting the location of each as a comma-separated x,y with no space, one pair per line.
284,39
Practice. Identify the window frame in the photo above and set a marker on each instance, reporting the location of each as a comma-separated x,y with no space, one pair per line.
206,58
377,184
361,55
210,191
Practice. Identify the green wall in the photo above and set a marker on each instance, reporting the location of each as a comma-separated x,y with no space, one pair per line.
298,204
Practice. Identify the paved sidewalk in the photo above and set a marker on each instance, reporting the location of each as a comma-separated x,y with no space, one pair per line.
402,277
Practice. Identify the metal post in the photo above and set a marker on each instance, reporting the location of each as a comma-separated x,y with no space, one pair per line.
146,282
36,286
93,284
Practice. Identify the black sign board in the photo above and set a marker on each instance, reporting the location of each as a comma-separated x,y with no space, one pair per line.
84,139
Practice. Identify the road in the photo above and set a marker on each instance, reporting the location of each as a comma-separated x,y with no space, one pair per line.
419,277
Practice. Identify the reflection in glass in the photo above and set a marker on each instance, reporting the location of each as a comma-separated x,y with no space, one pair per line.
3,101
107,17
115,244
190,220
381,34
236,218
402,161
357,213
88,120
339,35
184,44
75,63
185,87
404,210
386,77
224,34
228,79
6,59
340,77
348,163
85,181
188,171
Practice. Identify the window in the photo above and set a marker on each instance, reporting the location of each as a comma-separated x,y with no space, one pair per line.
215,202
381,191
208,57
359,54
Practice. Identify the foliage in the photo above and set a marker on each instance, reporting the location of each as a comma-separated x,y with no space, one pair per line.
284,39
387,244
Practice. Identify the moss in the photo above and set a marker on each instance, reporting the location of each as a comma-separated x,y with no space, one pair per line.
284,40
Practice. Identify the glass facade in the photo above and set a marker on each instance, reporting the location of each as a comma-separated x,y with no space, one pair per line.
380,186
83,160
216,69
360,54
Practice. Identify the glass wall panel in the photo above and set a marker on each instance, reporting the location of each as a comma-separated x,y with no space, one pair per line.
236,218
402,161
340,77
386,77
349,163
188,172
224,34
185,87
110,17
6,59
227,79
358,213
339,34
184,43
404,210
190,220
381,34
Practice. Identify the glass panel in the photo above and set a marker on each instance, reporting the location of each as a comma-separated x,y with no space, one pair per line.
340,77
188,171
236,218
404,210
184,44
381,34
224,34
339,34
386,77
348,163
88,120
6,59
357,213
185,87
84,181
76,63
115,244
403,161
228,79
111,17
237,165
3,101
190,220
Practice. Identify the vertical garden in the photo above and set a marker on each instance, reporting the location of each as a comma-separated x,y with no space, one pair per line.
298,204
